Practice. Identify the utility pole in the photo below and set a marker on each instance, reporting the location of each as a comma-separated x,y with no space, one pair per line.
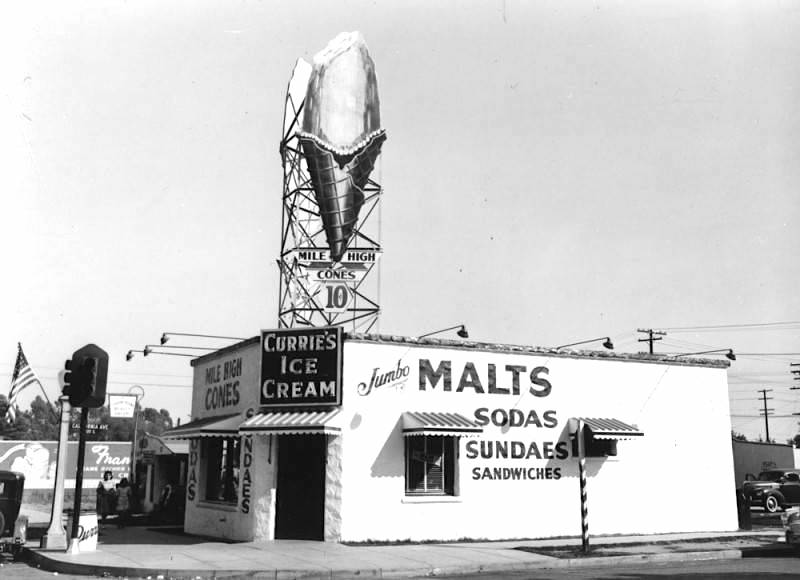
651,338
766,410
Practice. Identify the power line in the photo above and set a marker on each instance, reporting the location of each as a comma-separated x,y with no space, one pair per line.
116,372
768,353
757,325
128,382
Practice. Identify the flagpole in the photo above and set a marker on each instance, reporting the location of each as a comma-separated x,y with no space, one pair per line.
41,388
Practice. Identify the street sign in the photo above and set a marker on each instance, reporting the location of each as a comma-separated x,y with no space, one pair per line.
121,406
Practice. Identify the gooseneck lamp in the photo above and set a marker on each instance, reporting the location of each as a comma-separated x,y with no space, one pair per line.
462,331
728,353
165,336
149,351
606,342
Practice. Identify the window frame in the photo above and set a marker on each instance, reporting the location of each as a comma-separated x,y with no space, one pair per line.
222,468
448,446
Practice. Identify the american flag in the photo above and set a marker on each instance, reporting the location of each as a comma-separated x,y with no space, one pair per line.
23,377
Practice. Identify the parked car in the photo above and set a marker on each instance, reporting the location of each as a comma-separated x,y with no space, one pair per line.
13,527
791,527
774,489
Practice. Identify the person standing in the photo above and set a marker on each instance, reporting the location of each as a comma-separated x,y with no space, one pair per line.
123,502
105,495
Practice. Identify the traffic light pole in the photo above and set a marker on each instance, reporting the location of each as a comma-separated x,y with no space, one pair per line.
76,506
56,536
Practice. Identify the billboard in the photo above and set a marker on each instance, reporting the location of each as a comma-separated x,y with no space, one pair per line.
301,367
36,460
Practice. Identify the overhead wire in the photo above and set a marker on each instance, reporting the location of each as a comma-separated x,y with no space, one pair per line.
786,325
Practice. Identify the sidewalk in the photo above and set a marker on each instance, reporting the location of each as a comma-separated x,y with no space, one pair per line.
141,551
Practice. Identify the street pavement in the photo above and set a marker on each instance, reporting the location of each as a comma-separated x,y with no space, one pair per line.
142,551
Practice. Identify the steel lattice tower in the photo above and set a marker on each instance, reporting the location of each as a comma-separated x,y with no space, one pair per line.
315,292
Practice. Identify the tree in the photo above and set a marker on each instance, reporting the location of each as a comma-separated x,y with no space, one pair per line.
738,436
795,441
39,423
118,429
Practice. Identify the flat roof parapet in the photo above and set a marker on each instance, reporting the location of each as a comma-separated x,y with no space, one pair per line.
473,345
548,351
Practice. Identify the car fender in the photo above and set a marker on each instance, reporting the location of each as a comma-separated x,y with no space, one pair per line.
776,493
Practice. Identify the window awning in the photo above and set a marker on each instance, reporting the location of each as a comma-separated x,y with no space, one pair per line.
452,424
227,426
611,429
293,423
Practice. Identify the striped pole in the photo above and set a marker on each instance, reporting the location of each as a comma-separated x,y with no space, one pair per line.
584,503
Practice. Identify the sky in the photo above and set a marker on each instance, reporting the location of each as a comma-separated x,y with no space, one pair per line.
553,172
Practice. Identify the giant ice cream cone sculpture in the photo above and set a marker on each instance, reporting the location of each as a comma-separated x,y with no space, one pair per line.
341,134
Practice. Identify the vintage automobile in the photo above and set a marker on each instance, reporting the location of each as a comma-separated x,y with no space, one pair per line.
774,489
13,527
791,527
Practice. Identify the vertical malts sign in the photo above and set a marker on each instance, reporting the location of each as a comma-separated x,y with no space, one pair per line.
301,367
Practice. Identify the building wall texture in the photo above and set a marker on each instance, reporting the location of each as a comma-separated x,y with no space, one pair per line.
682,410
516,479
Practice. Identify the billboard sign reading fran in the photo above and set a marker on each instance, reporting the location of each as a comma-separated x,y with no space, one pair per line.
301,367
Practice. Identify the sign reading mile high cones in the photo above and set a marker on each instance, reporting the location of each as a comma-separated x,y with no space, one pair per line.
301,367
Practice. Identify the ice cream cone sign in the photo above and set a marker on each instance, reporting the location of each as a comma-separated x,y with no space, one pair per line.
341,134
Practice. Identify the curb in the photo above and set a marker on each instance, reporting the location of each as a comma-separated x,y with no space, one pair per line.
40,560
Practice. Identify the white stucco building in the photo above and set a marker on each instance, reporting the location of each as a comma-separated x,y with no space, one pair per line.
317,434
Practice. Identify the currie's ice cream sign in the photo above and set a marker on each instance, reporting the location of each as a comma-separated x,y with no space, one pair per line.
301,367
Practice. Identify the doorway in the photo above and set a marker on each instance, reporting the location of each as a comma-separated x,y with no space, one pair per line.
300,500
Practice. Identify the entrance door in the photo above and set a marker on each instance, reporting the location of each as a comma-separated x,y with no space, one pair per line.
300,501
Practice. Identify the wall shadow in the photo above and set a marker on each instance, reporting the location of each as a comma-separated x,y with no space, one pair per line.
569,466
389,462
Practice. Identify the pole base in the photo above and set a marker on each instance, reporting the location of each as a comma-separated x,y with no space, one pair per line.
54,541
74,547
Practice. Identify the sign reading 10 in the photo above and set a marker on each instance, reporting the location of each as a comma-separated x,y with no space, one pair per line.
337,297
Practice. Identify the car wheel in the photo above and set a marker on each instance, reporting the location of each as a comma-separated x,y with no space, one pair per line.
772,504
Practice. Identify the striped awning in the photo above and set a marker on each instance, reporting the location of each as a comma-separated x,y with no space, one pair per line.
452,424
227,426
293,423
611,429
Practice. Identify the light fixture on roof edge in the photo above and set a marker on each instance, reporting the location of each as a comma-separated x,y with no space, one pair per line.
728,353
606,342
148,351
148,348
462,331
165,336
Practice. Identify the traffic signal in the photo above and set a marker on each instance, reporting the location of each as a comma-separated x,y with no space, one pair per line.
85,381
67,378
